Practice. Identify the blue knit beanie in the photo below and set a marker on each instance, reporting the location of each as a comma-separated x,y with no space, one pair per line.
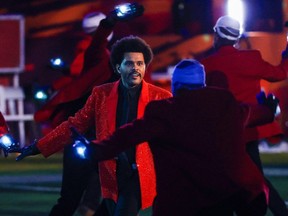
188,72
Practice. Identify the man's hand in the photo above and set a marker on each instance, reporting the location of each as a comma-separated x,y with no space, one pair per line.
8,144
270,101
28,151
81,145
76,136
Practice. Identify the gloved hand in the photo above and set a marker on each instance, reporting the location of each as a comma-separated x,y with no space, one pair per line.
28,151
270,101
8,144
123,12
127,11
59,65
81,144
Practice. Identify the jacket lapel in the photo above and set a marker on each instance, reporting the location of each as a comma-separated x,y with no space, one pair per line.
143,99
111,103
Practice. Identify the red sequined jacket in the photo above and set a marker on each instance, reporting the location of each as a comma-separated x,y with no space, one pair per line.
100,110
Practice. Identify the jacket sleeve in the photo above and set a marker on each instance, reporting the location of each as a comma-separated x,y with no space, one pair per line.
268,71
256,115
97,49
140,130
61,135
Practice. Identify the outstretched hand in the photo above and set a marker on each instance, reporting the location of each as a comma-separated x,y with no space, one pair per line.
127,11
76,136
124,12
270,101
28,151
8,144
81,144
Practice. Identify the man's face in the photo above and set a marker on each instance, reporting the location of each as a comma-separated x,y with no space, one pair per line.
132,69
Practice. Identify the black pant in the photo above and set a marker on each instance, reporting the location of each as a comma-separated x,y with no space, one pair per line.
275,203
77,175
129,192
129,198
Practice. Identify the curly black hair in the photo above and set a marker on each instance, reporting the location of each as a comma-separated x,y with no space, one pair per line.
129,44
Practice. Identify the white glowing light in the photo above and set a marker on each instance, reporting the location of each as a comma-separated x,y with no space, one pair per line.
278,111
6,141
123,10
41,95
57,61
80,149
236,10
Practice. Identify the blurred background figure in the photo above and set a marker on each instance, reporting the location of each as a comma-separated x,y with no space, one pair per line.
241,71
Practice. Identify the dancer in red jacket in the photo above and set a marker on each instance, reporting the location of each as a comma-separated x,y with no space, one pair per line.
240,71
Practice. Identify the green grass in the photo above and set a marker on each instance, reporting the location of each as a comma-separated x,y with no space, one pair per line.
31,165
16,202
22,202
280,159
13,201
279,182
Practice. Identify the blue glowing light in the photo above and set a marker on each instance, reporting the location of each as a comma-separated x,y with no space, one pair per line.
81,149
57,62
41,95
7,141
122,10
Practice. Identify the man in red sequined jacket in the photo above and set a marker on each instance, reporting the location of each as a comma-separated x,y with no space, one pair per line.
129,179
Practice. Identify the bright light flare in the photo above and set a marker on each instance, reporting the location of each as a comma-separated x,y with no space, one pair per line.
6,141
235,9
122,10
57,61
41,95
81,149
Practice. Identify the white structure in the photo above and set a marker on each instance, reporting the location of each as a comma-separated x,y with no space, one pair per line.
12,108
12,63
